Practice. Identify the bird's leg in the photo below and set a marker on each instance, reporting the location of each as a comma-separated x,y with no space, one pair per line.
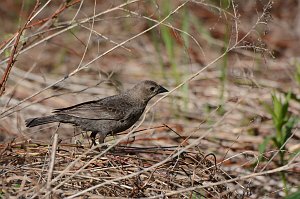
93,138
101,138
133,138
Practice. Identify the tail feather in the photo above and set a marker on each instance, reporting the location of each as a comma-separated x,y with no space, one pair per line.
40,121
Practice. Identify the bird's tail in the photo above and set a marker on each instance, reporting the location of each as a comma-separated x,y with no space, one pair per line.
40,120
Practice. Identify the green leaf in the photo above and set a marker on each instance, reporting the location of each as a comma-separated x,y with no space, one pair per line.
276,107
297,75
295,195
289,127
186,27
262,147
276,142
285,106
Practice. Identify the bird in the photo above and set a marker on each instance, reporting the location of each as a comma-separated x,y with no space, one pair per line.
109,115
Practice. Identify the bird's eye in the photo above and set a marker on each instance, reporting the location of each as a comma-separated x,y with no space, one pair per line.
152,88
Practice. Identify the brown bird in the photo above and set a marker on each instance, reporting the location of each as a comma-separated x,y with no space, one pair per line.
109,115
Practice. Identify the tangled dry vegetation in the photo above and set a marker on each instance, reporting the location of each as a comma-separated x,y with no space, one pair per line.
187,170
210,137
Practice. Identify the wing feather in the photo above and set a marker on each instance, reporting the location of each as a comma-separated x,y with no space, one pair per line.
110,108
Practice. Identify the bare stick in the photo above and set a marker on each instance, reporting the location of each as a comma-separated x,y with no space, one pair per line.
52,160
12,57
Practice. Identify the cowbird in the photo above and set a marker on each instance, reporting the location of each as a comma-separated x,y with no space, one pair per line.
109,115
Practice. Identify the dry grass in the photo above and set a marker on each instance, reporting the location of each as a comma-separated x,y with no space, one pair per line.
28,168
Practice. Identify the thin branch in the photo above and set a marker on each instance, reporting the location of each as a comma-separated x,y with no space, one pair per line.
12,57
52,161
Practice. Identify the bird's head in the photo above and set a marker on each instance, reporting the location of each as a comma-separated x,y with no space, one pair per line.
145,90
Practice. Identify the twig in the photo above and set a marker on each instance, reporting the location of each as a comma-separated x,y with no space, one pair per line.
283,168
52,160
54,15
12,57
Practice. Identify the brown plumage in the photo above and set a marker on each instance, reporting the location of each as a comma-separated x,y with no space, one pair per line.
112,114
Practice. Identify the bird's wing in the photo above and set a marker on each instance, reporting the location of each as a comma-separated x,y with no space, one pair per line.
111,108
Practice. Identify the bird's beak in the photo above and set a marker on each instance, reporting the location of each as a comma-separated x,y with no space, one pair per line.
162,90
